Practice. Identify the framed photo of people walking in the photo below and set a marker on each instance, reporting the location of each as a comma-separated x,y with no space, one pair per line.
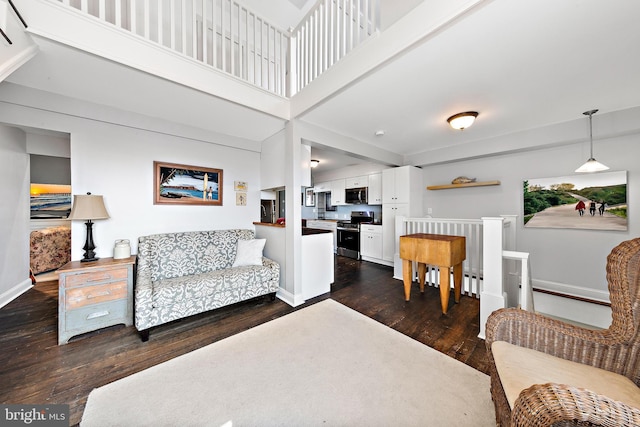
595,201
177,184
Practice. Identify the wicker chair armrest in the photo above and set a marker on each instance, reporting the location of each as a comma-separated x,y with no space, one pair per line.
541,333
547,404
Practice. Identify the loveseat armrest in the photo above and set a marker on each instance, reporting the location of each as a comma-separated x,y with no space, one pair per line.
551,336
548,404
143,295
274,267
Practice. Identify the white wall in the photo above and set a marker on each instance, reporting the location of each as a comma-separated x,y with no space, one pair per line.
112,154
559,257
14,214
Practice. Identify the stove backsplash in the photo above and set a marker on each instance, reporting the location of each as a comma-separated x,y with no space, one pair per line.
341,212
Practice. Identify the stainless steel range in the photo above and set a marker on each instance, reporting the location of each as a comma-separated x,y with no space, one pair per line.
349,233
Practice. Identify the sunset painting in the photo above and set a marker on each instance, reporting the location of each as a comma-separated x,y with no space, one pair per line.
50,201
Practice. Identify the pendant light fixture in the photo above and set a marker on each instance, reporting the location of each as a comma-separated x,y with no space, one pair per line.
591,165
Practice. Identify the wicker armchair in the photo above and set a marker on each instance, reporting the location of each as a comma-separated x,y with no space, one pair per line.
611,397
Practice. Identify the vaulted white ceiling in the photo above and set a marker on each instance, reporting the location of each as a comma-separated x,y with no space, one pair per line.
521,64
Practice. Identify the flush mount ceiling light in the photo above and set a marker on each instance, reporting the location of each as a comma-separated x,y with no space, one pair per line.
462,121
380,132
314,163
591,165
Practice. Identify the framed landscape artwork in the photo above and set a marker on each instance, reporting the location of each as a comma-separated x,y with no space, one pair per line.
50,201
186,185
595,201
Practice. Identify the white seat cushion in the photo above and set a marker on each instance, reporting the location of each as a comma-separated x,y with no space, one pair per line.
520,368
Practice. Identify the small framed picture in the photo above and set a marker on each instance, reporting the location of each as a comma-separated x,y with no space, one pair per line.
241,199
240,185
309,197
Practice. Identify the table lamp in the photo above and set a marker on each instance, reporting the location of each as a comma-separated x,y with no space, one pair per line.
88,207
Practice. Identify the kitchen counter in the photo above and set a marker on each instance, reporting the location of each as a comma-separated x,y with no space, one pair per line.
306,231
269,224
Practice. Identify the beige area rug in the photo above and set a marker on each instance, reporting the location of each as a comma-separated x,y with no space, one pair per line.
323,365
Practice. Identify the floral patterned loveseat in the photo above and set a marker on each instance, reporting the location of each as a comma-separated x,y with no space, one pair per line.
182,274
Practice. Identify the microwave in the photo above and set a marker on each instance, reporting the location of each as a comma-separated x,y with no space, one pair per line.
356,196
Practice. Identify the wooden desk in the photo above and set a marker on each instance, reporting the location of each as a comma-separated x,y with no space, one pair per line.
440,250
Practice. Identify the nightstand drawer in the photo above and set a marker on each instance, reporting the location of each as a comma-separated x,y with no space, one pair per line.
91,277
80,297
96,316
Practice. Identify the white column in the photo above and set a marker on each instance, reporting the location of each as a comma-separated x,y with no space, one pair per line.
492,296
293,196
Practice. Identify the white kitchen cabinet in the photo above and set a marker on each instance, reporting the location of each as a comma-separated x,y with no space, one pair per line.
396,183
322,187
389,213
337,192
374,193
371,242
401,196
356,182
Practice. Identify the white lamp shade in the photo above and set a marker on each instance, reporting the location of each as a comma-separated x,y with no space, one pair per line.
592,165
88,206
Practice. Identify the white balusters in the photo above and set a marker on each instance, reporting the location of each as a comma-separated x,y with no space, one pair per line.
220,33
329,31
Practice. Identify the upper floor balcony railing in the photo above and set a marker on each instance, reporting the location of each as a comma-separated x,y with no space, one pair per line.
328,33
222,34
229,37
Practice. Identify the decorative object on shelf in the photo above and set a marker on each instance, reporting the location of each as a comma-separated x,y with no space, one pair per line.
240,185
176,184
122,249
591,165
462,185
241,199
314,163
461,121
88,207
463,180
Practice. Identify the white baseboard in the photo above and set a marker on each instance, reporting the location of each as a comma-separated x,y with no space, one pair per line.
13,293
289,298
572,290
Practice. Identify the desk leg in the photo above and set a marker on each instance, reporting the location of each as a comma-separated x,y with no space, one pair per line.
445,286
422,273
406,277
457,281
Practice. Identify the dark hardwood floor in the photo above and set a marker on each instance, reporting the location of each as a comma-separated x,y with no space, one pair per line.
35,370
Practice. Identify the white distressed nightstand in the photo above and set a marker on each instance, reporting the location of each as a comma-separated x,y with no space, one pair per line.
94,295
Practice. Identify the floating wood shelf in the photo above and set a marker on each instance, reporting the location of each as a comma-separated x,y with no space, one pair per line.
468,184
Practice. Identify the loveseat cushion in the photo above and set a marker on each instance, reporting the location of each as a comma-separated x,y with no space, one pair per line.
227,284
173,255
520,368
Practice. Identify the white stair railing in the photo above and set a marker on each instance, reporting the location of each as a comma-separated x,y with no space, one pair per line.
221,34
525,294
329,32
